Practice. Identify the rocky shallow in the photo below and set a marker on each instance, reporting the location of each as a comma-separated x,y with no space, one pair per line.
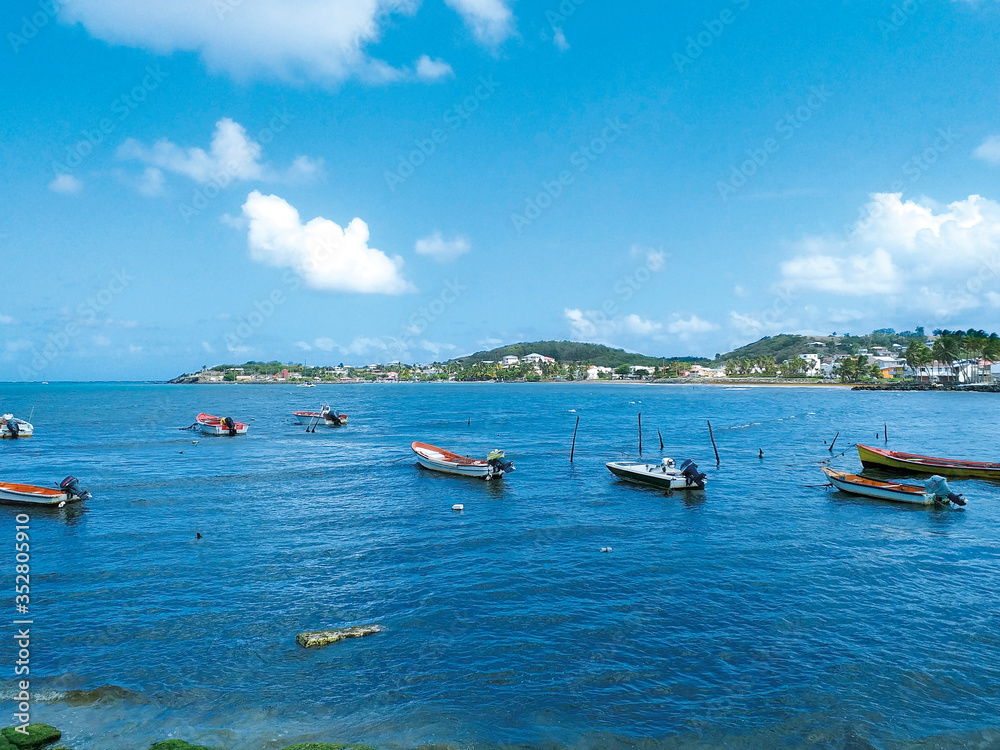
44,737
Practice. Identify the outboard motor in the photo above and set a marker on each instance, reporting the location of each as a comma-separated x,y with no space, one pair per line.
71,486
333,417
938,487
230,425
496,462
13,429
690,471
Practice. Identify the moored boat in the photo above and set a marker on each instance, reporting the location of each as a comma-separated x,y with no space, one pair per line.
210,425
326,416
29,494
664,475
13,428
935,490
879,458
438,459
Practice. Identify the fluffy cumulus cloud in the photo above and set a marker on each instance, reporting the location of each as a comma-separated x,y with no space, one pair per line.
686,327
322,253
491,21
66,184
440,249
319,40
989,150
594,325
917,255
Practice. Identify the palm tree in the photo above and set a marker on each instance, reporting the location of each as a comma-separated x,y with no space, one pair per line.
917,354
948,348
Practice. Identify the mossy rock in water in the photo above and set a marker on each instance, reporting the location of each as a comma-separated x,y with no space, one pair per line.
327,746
38,736
177,745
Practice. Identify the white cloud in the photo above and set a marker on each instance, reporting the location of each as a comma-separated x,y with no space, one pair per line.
326,256
915,255
598,327
436,348
304,346
65,184
317,40
559,39
685,327
432,70
232,154
440,249
101,340
6,319
989,150
151,182
303,169
491,21
208,347
324,344
134,348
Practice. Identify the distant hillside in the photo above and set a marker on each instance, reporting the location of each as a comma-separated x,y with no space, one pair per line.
571,351
787,345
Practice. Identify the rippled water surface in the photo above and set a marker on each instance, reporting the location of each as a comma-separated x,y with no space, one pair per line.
768,611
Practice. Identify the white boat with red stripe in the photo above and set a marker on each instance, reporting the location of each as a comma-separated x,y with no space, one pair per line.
219,426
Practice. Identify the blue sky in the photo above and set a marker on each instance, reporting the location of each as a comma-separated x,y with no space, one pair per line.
214,181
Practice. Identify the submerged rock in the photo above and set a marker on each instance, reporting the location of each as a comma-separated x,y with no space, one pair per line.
177,745
324,637
38,736
327,746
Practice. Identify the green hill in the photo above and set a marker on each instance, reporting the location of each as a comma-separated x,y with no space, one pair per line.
571,351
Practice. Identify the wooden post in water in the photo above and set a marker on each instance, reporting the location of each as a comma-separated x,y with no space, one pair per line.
712,438
572,450
640,433
661,439
885,432
834,441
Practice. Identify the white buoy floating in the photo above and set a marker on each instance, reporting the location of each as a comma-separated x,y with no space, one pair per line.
606,549
458,506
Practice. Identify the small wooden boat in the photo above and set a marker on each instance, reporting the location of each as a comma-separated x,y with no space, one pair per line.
12,428
438,459
664,475
934,492
878,458
210,425
323,416
28,494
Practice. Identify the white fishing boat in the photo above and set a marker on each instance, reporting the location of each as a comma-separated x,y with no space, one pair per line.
325,416
13,428
664,475
29,494
218,426
935,490
438,459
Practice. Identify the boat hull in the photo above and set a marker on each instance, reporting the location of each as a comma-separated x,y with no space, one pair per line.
863,487
24,429
877,458
651,475
27,494
210,425
315,417
446,462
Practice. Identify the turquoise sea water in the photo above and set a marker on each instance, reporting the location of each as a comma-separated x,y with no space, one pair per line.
766,612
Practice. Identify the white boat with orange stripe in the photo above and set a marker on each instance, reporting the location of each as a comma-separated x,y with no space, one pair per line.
29,494
438,459
210,425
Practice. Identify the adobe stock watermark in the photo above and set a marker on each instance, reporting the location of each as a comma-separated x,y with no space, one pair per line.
714,28
121,106
558,17
452,120
263,310
913,169
203,195
424,317
31,25
901,14
786,127
56,344
581,160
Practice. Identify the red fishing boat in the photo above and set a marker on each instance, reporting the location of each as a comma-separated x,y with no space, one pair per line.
210,425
